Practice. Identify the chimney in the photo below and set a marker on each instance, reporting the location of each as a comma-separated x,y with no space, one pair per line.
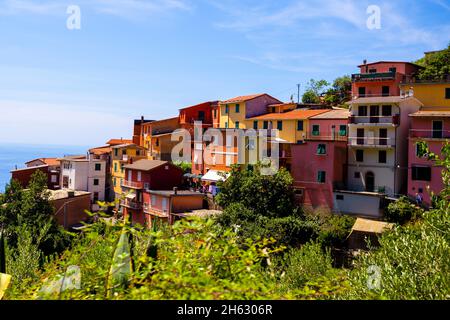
364,62
142,119
175,190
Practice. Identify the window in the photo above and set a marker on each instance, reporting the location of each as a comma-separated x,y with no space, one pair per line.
372,70
321,176
300,125
153,203
437,129
122,168
321,149
139,176
124,152
201,115
226,124
54,178
237,108
236,124
157,142
95,196
447,93
96,182
138,152
421,173
343,130
357,175
315,130
116,152
362,111
226,108
215,113
382,156
280,125
115,166
255,125
266,124
339,197
359,155
393,70
98,167
419,152
362,91
385,91
273,109
386,111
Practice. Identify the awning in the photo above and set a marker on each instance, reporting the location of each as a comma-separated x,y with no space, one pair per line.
213,175
131,196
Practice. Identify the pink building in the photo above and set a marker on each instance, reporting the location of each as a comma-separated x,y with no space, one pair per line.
424,177
382,78
319,164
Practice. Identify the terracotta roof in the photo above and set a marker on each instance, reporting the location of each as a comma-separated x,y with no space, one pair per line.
243,98
431,113
377,62
378,100
114,142
283,104
47,161
74,158
127,145
333,114
290,115
146,165
100,150
30,168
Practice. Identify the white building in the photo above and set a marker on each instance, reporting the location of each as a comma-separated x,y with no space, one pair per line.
377,151
83,173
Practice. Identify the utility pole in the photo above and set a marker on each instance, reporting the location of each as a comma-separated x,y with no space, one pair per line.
298,93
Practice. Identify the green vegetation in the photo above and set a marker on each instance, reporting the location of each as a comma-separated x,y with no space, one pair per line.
436,65
262,247
337,94
402,211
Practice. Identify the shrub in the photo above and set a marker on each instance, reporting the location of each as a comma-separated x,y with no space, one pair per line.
402,211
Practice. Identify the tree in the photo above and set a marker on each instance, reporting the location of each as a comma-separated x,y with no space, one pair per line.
436,65
314,90
340,92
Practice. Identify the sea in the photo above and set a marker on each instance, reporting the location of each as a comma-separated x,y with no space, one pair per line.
14,156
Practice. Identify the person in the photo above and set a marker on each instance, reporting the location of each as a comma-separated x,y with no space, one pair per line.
419,199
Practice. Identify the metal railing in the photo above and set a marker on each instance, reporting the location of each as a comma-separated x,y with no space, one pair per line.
429,134
395,119
371,141
132,184
131,204
373,76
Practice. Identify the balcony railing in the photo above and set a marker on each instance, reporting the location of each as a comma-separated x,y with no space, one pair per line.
132,184
373,76
395,120
155,211
370,141
429,134
327,136
131,204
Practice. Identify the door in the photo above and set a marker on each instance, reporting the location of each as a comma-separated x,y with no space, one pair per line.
370,182
164,204
360,136
437,129
383,137
374,114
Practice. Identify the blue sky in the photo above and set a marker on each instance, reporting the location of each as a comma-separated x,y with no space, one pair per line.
132,58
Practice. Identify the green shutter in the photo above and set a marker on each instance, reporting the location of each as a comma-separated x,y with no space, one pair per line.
280,125
237,108
255,125
316,130
343,130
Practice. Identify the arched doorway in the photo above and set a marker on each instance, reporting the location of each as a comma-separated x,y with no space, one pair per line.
370,181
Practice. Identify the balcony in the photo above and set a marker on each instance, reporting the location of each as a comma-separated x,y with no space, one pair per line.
429,134
132,184
378,76
155,211
371,142
375,120
131,204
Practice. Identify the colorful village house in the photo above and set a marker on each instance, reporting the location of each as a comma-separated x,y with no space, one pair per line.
161,144
377,163
51,167
432,125
142,176
319,161
121,155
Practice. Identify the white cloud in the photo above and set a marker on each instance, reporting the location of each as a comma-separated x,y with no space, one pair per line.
123,8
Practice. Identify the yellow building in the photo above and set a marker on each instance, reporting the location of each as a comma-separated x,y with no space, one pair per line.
235,112
291,125
431,94
121,155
